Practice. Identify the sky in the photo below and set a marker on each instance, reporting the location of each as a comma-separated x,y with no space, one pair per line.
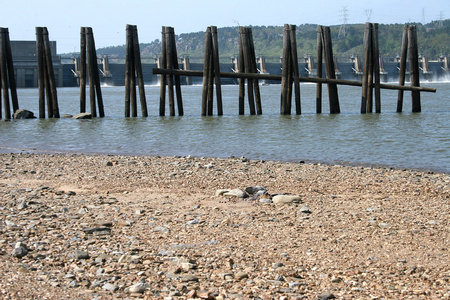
108,18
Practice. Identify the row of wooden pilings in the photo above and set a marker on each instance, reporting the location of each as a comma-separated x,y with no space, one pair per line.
247,72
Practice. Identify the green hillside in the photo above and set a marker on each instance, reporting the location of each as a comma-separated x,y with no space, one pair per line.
433,40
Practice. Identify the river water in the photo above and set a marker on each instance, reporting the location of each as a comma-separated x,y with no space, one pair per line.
400,140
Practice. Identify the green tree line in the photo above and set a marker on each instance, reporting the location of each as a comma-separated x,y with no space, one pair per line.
433,41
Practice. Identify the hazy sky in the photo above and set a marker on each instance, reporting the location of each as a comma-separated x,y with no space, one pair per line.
108,18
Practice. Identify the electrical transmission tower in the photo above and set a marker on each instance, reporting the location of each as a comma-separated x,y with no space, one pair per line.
368,13
441,20
344,18
423,16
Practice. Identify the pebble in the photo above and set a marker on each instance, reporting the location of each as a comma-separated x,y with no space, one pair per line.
109,287
188,278
19,252
286,199
137,288
80,254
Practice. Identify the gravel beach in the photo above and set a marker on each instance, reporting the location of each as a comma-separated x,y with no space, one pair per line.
136,227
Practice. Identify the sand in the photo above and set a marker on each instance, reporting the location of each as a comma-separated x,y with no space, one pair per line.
118,227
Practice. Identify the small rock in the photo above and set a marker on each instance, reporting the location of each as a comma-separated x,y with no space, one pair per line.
221,192
236,193
137,288
188,278
84,115
23,114
109,287
19,252
253,190
277,265
193,222
22,205
326,296
161,229
240,275
305,210
80,254
285,199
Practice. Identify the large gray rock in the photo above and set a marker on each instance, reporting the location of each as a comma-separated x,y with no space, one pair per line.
23,114
84,115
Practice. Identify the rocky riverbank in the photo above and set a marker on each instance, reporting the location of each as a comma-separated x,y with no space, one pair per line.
118,227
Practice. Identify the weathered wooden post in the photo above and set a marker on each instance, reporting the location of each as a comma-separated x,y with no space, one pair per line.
376,67
294,59
50,74
10,68
414,67
82,70
163,79
241,69
366,84
128,70
248,69
177,77
215,55
330,71
41,70
285,71
169,65
402,71
254,69
206,72
319,70
4,75
139,74
94,77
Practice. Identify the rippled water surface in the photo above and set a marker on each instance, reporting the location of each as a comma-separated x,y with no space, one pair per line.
405,140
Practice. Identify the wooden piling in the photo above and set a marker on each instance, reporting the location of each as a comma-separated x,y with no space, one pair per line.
177,77
50,73
241,69
402,71
254,69
41,70
139,74
295,70
414,67
366,85
4,75
376,67
285,71
248,69
163,79
206,71
128,69
215,55
330,71
169,65
319,70
82,70
10,68
91,72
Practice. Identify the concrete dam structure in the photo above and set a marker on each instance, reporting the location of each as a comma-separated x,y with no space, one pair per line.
67,75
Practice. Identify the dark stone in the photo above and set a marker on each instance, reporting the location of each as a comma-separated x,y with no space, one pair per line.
24,114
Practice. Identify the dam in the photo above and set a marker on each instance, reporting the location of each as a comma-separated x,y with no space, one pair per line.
113,73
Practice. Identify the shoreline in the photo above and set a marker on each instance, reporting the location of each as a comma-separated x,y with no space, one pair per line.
9,150
153,227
